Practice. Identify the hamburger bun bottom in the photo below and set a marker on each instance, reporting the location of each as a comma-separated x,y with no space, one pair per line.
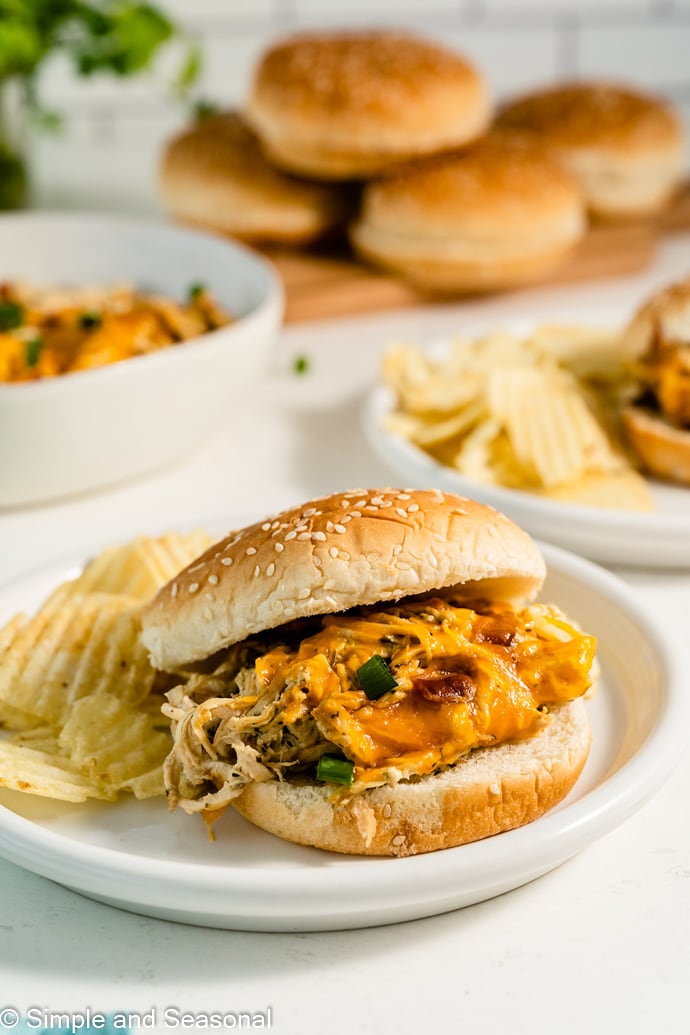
492,790
455,275
663,449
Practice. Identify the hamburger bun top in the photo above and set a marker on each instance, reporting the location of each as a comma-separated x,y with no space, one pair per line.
214,173
331,554
350,102
663,320
596,115
494,189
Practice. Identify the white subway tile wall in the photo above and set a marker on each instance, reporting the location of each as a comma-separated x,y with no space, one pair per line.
107,155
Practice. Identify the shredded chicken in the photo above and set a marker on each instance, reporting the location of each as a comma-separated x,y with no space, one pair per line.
276,704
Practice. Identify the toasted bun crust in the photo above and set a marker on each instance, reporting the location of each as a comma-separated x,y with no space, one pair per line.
663,449
215,175
497,213
665,318
344,550
626,148
492,790
346,104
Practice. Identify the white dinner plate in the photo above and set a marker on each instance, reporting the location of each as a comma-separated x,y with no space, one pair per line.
658,538
136,856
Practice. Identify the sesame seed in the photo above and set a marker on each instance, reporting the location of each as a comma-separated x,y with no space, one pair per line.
208,596
266,526
397,549
173,591
193,587
303,536
317,562
213,579
319,536
276,524
329,584
289,536
309,512
403,496
279,547
304,593
348,517
378,500
195,567
400,512
208,614
340,529
387,811
302,527
333,551
399,839
361,503
227,561
251,550
412,508
355,513
329,526
386,503
271,569
257,571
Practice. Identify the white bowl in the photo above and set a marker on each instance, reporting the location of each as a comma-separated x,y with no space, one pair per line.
94,428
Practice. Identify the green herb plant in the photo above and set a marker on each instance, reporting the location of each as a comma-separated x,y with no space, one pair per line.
119,37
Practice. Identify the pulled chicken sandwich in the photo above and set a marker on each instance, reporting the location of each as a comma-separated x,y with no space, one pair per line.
363,674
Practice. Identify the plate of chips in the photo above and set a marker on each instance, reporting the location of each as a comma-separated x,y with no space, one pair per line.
526,421
80,704
82,736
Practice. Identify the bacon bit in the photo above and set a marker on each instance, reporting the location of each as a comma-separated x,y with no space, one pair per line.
491,631
445,686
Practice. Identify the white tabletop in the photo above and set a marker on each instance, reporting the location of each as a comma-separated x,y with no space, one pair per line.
599,945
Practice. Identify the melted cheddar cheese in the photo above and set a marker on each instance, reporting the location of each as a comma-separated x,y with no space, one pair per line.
467,675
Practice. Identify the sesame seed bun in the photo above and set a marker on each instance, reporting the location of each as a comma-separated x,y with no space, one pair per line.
491,790
342,551
662,321
626,148
345,105
493,215
215,175
658,338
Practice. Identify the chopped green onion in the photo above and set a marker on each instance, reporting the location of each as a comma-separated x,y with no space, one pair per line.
196,291
300,365
32,351
331,769
376,678
90,319
204,109
11,316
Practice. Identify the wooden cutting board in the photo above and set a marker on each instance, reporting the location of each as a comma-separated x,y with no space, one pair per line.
320,284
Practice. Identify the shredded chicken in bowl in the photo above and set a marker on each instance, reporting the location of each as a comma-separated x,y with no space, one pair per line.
46,332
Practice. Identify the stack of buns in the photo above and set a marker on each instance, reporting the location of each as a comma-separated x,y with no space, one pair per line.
451,198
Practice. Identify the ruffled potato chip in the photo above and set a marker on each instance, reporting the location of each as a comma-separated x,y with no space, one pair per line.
88,645
24,768
536,413
114,746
